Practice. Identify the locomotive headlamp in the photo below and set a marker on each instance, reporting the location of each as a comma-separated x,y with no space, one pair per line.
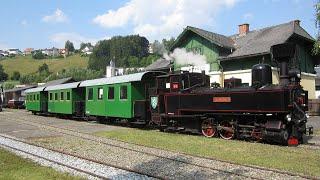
288,117
307,116
298,75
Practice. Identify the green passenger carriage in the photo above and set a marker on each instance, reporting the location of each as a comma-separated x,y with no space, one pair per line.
37,100
119,96
62,99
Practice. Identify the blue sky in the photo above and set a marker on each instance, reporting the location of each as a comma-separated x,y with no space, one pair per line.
44,23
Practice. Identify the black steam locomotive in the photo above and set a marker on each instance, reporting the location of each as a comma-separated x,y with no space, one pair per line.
263,112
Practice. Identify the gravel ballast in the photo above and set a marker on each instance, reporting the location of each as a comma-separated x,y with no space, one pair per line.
45,157
166,164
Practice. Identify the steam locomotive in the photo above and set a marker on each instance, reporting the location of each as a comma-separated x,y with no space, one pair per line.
262,112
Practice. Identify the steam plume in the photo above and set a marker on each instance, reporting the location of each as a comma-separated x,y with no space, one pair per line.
182,57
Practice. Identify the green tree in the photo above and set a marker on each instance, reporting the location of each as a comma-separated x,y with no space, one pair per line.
43,69
3,75
316,46
77,74
8,86
119,48
16,76
38,55
168,43
69,46
83,45
158,48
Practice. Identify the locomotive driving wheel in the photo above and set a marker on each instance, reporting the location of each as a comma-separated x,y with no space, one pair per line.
208,128
226,130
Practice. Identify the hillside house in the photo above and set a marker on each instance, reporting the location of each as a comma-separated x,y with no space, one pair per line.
28,51
233,56
51,52
87,50
14,52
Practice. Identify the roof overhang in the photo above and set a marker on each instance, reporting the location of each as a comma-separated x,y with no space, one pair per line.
118,79
242,57
186,30
33,90
63,86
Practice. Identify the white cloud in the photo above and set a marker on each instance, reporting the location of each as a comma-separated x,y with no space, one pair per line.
248,16
59,39
163,18
24,22
57,17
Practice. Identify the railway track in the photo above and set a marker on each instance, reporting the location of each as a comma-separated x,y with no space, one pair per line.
67,161
149,152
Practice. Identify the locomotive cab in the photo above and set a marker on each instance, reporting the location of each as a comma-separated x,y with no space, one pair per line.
182,81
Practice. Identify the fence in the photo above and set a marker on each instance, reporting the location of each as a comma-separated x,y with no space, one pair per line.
314,107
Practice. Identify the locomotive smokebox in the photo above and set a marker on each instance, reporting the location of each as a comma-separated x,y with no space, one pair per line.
282,53
261,75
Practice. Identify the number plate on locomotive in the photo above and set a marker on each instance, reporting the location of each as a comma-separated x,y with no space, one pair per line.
221,99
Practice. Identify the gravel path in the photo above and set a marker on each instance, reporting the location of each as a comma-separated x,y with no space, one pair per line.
166,164
66,163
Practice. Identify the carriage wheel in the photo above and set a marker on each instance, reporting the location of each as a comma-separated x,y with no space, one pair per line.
226,130
208,128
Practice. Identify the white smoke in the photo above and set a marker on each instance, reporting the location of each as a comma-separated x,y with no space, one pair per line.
181,57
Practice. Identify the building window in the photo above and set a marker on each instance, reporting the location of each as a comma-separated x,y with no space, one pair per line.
56,96
111,93
100,93
123,92
90,94
68,96
61,96
50,96
197,50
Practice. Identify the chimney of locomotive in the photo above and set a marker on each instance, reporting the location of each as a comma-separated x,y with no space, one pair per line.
282,53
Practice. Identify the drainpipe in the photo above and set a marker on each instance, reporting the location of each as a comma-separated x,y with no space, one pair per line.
222,75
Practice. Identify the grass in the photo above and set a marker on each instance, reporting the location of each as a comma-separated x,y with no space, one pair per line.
15,167
299,160
27,65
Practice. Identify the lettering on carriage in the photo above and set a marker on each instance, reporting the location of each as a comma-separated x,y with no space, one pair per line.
221,99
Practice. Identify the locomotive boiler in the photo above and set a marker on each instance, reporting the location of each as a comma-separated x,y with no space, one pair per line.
264,112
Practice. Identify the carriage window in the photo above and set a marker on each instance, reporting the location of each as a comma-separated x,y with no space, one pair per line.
61,96
90,94
68,96
38,97
111,93
123,92
56,96
50,96
100,93
34,97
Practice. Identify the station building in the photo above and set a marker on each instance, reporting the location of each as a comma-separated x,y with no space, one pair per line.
233,56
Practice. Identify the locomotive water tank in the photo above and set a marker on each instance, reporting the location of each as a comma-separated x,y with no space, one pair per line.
261,75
